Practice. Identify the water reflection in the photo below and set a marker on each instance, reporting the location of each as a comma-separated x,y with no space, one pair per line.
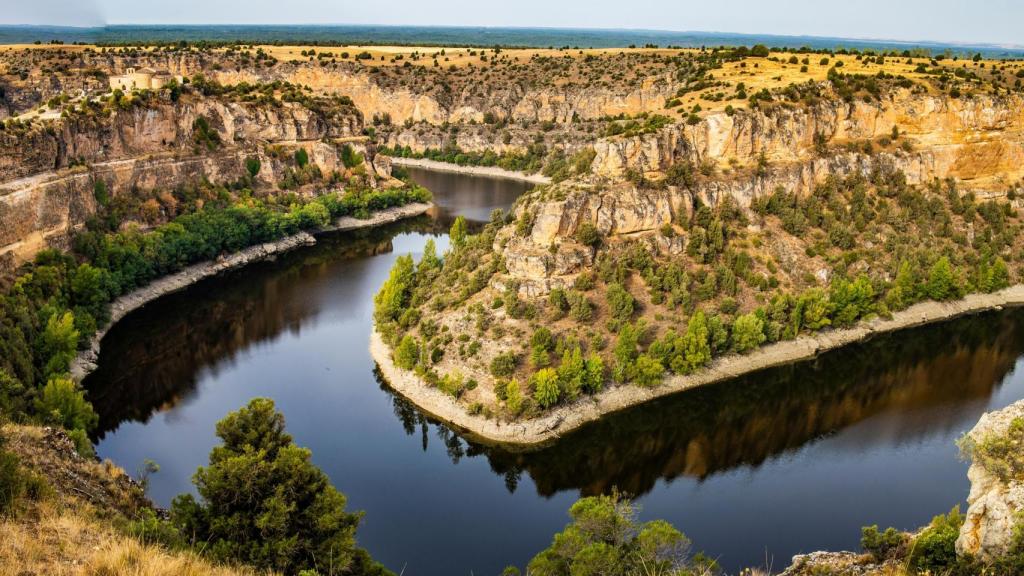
932,377
788,460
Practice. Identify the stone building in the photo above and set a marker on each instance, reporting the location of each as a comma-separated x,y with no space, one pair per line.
141,79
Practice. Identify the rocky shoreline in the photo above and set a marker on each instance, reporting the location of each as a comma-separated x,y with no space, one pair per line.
489,171
85,362
559,421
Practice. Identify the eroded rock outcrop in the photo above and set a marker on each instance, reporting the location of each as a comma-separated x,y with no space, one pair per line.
979,141
996,501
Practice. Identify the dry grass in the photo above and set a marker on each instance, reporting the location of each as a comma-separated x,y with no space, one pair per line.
72,530
55,540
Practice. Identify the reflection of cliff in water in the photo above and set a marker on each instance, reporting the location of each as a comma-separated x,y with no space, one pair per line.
908,384
153,357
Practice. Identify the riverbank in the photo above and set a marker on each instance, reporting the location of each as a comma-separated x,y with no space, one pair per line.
85,361
489,171
554,423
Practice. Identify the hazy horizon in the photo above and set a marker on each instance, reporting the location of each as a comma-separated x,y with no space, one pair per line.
934,21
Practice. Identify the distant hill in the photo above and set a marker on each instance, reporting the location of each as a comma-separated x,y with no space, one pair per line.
477,36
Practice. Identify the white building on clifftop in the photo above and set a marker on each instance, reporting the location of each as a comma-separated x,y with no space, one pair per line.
141,79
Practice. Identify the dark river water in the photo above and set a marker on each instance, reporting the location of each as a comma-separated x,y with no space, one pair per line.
754,470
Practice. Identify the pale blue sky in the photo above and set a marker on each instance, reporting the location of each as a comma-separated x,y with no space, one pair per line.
991,21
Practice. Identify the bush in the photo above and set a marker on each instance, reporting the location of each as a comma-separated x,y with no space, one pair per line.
262,502
935,547
545,387
604,537
588,234
63,403
747,333
620,302
407,353
883,546
942,282
504,365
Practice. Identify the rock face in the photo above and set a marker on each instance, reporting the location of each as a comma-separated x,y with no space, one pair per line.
160,128
979,141
46,192
994,506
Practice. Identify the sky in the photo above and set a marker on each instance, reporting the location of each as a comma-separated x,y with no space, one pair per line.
987,21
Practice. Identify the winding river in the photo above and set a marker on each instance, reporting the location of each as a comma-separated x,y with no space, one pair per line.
754,470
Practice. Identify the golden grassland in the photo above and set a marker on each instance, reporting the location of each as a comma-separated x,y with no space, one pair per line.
72,529
776,71
59,539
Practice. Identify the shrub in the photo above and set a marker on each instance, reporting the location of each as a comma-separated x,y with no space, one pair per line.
747,333
604,537
883,545
262,502
942,282
935,547
620,302
504,365
63,403
513,397
1001,455
407,353
545,387
648,371
588,234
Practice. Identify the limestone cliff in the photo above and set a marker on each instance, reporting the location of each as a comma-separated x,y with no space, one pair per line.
996,501
979,141
48,173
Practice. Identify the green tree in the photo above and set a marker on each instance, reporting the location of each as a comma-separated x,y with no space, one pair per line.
545,387
648,371
904,289
942,282
571,373
620,302
61,402
301,157
407,353
513,397
58,343
696,342
262,502
458,232
605,538
391,300
811,311
588,234
429,260
593,379
626,352
747,333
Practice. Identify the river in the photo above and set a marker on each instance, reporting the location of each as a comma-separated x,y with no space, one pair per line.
754,470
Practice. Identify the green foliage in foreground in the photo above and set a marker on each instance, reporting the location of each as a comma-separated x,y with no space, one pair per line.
262,502
604,538
933,549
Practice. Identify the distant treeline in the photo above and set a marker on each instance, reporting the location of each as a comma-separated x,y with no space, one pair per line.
455,36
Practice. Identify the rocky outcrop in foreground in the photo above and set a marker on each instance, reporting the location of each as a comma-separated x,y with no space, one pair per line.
996,501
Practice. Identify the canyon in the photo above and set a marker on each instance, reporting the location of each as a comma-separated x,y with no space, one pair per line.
793,193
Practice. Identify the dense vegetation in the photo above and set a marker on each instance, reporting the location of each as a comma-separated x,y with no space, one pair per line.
605,539
56,304
933,549
262,502
870,246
